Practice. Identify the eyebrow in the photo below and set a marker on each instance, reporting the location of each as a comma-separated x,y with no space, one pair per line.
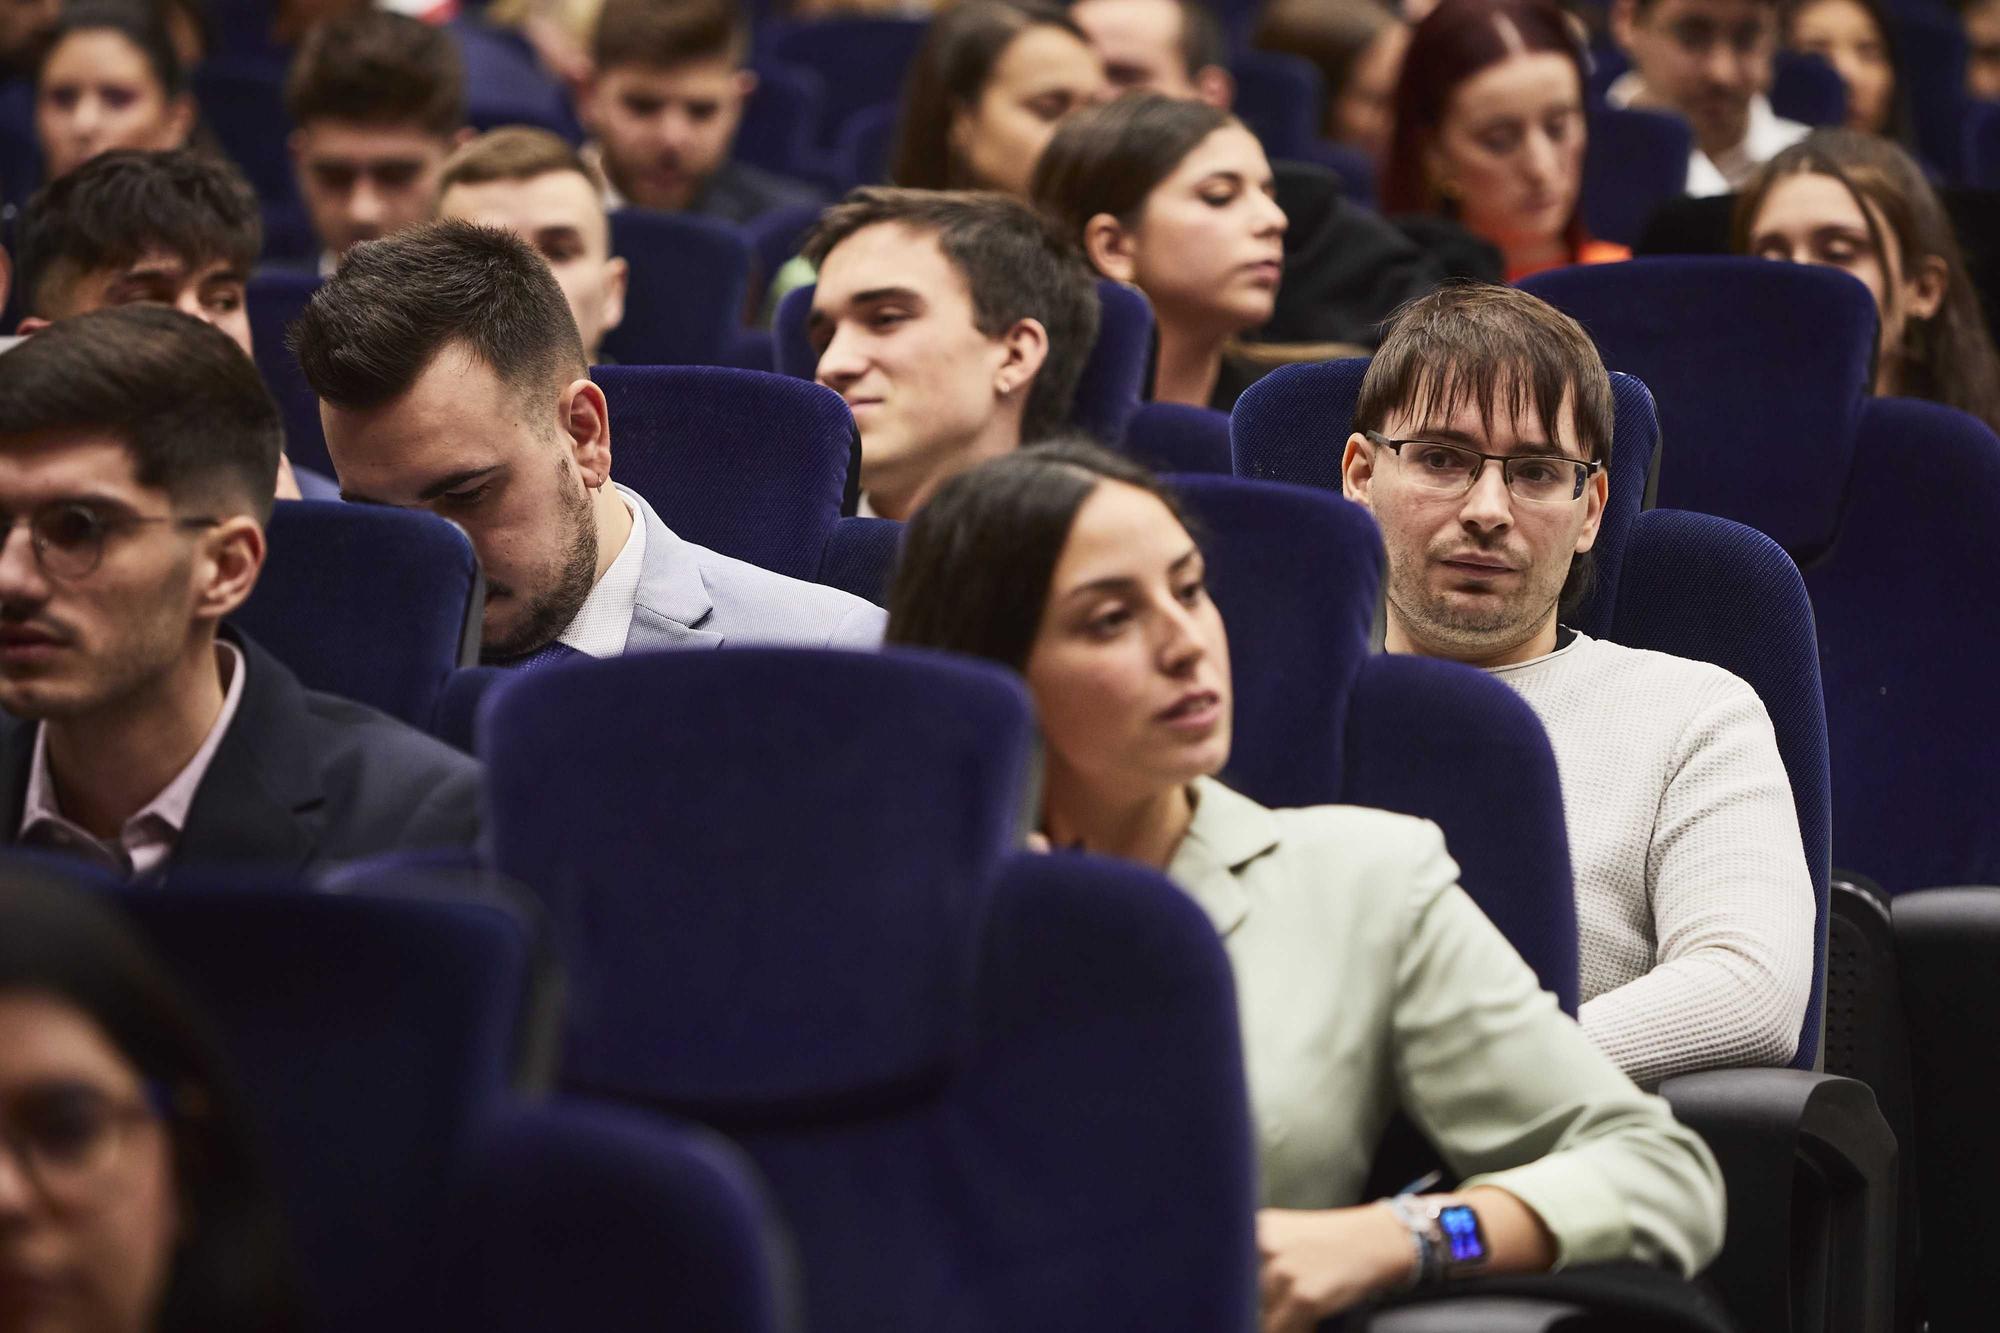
1121,582
560,231
819,316
450,482
1446,435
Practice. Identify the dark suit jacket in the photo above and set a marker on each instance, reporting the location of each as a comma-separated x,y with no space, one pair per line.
301,781
740,192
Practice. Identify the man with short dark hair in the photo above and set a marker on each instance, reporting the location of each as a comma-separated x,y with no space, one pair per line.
451,378
538,187
955,324
1480,443
138,451
377,102
1173,47
1711,63
665,97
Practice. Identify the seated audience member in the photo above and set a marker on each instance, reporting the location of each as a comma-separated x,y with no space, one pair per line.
24,26
108,79
1480,443
1490,132
1367,982
129,1181
1858,203
377,103
663,103
1346,270
1858,40
985,92
169,228
1709,62
6,279
1174,197
955,324
1358,46
533,184
451,378
1981,19
140,455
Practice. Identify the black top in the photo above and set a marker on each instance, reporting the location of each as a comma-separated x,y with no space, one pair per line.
740,192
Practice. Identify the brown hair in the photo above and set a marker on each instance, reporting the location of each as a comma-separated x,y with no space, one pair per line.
660,34
1332,34
1108,159
514,153
378,68
1015,265
1948,358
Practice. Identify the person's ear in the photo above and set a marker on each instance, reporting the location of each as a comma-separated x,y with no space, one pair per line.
232,558
1357,468
586,420
31,325
1596,492
466,134
617,273
1923,290
1026,346
6,275
1110,247
1216,86
180,119
745,83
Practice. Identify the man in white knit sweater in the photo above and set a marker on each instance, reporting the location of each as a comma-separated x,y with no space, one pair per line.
1481,440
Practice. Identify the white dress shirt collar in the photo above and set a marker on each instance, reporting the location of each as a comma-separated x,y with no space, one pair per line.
605,618
1766,135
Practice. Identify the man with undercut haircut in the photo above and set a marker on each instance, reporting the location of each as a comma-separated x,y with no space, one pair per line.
1480,443
451,377
138,452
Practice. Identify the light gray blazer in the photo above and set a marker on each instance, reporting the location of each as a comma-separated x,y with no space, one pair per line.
692,597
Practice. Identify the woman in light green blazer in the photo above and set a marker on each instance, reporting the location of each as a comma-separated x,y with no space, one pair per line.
1367,982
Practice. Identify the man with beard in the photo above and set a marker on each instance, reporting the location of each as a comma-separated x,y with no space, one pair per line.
1481,441
452,378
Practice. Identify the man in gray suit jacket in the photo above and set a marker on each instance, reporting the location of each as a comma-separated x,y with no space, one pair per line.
451,378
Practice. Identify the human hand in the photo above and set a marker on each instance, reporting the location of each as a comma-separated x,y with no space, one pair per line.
1318,1263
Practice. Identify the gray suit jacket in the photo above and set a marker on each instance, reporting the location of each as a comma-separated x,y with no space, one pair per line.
692,597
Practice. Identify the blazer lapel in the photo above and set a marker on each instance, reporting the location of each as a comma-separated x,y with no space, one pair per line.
672,602
1229,831
258,802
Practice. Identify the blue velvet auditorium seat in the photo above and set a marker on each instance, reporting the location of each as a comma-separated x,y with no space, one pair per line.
275,297
1635,161
1174,437
752,465
987,1093
374,604
242,101
686,296
587,1216
371,1034
861,61
860,557
780,126
1805,88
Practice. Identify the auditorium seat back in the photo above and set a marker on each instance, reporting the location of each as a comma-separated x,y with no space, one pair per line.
274,298
1634,162
861,61
1174,437
685,297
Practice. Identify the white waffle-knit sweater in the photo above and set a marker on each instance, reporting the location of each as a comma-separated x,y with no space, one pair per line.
1694,905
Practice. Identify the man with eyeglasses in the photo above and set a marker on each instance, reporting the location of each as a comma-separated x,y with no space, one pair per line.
138,459
1481,443
1711,63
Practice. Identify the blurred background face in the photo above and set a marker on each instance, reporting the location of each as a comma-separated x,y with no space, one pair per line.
1982,39
363,182
1208,249
1844,33
1042,76
87,1234
664,132
1139,42
98,93
1509,150
560,215
1130,667
1704,59
1364,113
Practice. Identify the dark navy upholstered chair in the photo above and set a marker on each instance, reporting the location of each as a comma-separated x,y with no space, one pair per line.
1280,97
686,296
242,103
780,127
959,1083
455,718
774,238
1982,145
749,464
1635,161
371,1033
505,84
374,604
1805,88
860,61
274,298
863,143
1174,437
860,557
575,1214
795,353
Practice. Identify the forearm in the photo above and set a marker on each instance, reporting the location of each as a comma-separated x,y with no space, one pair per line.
1713,1008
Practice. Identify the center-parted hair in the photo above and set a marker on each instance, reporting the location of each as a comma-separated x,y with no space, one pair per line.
371,67
1015,265
1108,159
394,304
140,24
180,393
119,206
977,559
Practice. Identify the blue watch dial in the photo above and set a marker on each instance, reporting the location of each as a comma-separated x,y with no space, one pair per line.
1461,1234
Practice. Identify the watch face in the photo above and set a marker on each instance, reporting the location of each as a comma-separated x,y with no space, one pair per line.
1461,1234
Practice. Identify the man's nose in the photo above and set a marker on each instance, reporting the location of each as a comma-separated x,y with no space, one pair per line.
1488,505
842,362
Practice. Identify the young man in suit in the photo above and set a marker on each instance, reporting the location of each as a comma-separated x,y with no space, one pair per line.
138,452
452,378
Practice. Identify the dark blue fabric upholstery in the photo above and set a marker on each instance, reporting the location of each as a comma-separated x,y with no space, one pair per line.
1715,591
275,297
1908,640
863,143
1173,437
1293,425
1635,161
1112,383
780,125
687,292
796,356
370,603
1281,98
370,1034
1321,717
242,103
505,84
1932,50
581,1215
774,238
455,719
748,464
861,61
1759,369
860,557
1982,145
1805,88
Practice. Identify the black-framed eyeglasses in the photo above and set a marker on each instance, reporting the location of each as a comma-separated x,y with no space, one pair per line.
1451,469
68,535
70,1138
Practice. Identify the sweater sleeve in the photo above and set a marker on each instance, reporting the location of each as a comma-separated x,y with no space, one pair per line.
1517,1097
1732,905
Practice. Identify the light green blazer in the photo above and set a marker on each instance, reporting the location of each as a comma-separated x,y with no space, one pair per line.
1367,981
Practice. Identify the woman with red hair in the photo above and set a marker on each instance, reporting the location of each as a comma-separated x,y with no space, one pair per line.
1490,132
